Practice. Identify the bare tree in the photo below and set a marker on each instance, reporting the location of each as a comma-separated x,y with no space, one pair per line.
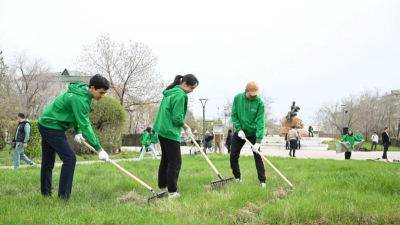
33,83
130,69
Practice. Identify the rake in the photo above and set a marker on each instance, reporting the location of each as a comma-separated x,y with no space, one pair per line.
273,167
221,180
155,194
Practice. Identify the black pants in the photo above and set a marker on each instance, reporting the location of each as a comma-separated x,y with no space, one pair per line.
228,146
293,146
385,149
347,155
372,145
55,141
170,164
287,145
298,144
310,134
237,144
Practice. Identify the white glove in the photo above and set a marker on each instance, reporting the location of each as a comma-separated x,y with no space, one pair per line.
78,138
188,132
255,147
241,134
103,156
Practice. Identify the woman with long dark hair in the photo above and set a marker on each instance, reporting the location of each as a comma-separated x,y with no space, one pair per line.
168,125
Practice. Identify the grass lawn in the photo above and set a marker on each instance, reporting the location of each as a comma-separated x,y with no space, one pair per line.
7,160
367,145
327,192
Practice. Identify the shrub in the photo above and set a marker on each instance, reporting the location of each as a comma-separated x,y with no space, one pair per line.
35,141
107,118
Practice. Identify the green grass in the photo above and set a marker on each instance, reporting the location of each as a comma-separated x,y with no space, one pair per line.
367,145
7,160
327,192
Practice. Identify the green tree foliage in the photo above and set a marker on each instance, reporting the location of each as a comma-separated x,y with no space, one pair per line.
2,138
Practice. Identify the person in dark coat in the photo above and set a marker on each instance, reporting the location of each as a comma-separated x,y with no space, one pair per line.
386,142
228,141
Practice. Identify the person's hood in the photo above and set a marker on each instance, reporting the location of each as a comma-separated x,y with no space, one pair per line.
352,132
79,89
175,90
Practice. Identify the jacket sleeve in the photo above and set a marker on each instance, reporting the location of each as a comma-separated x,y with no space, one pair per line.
27,129
260,122
344,138
81,111
178,110
235,117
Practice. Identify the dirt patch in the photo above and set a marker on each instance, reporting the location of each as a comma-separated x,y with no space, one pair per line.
248,213
132,197
280,193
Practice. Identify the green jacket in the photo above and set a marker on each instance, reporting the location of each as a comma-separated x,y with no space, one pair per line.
351,138
145,138
154,138
171,114
71,109
248,115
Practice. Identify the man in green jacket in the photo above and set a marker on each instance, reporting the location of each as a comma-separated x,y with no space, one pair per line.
69,110
249,121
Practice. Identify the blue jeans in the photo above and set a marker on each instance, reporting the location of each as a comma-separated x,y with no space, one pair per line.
55,141
144,151
19,154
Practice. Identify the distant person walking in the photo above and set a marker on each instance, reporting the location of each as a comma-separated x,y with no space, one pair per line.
228,141
298,140
146,145
374,139
386,142
287,142
217,143
293,136
21,138
310,131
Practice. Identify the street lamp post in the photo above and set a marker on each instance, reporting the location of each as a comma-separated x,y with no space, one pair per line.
203,103
343,118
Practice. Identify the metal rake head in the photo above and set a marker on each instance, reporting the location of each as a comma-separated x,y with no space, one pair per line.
156,195
221,182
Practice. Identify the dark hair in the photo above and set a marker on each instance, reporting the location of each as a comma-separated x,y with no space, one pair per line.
98,81
375,132
21,115
189,79
229,131
148,129
293,127
152,131
386,128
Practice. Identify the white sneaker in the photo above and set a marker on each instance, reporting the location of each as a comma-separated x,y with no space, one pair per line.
263,185
174,195
239,180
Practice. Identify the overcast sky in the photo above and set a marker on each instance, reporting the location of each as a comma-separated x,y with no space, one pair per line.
309,51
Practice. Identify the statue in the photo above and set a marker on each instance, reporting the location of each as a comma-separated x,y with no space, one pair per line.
293,112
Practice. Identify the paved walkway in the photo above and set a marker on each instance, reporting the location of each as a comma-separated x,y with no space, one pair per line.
302,154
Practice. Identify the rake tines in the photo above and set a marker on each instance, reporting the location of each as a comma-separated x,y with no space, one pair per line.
221,182
155,195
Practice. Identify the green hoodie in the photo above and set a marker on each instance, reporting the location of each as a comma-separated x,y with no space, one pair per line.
171,114
154,138
71,109
145,138
351,138
248,115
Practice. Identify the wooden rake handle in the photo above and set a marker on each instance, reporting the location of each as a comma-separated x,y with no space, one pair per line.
120,168
205,156
270,164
